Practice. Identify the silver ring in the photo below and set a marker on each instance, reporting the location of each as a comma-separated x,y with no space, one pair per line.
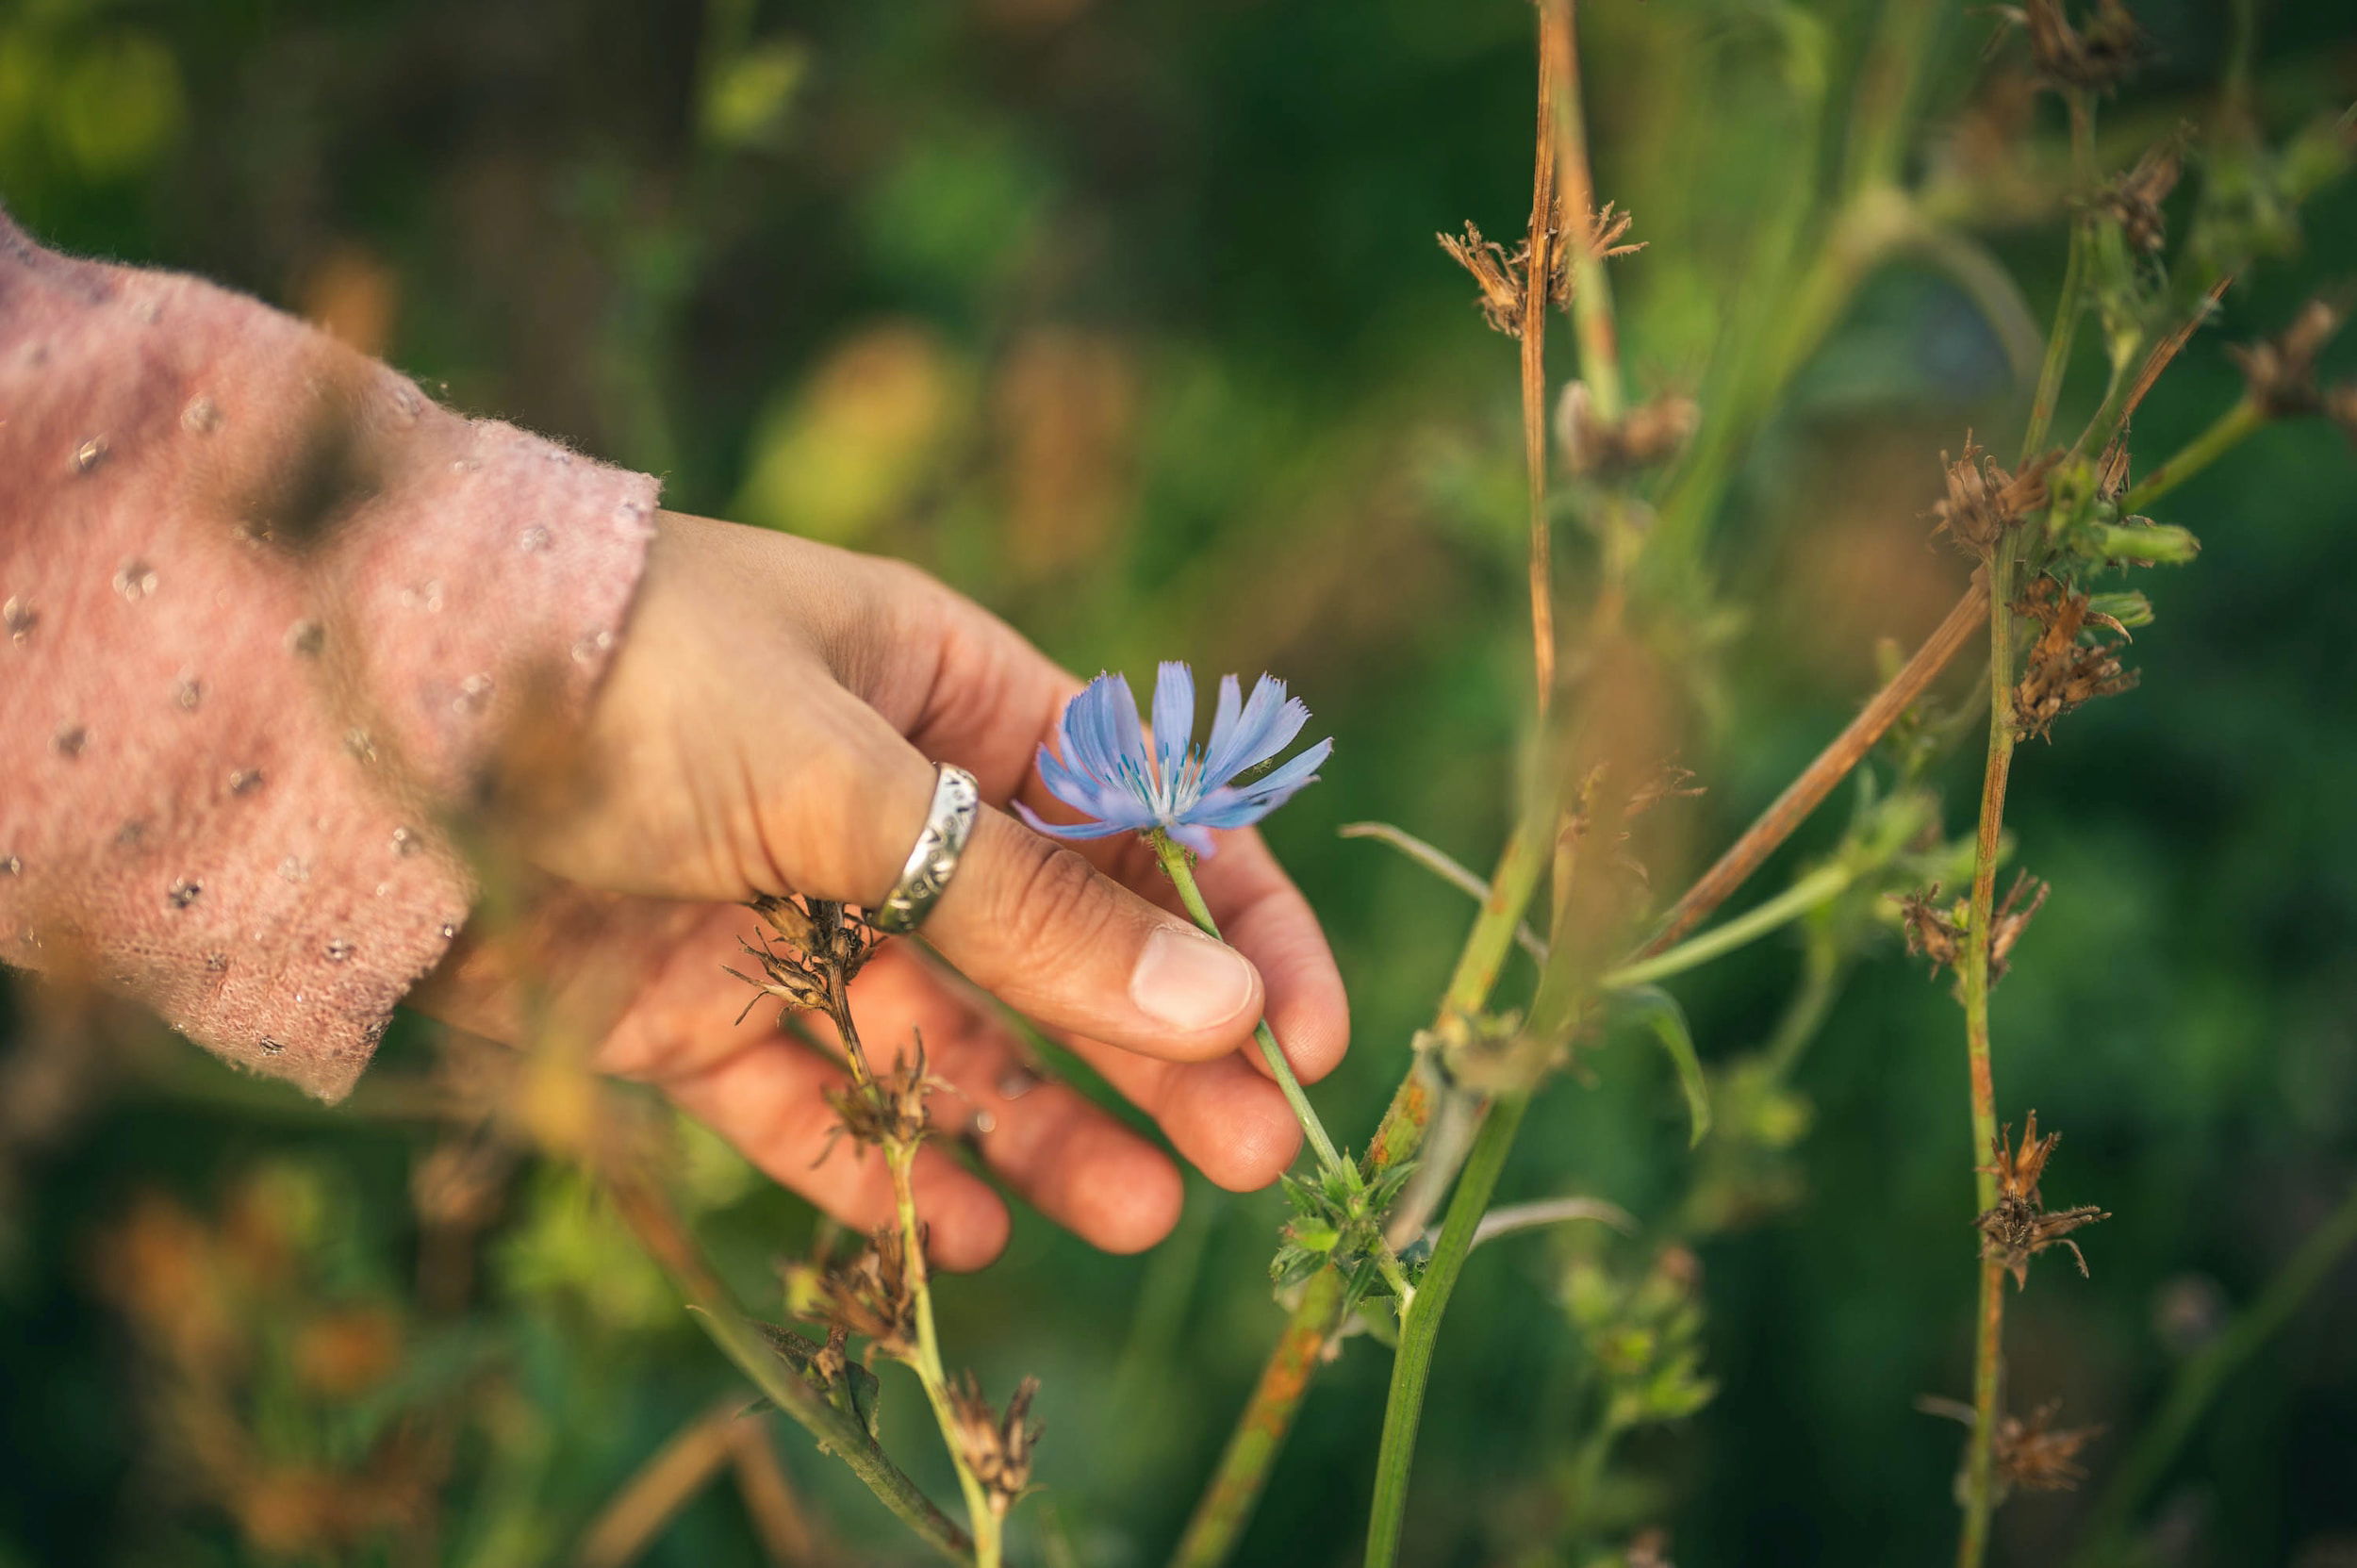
957,799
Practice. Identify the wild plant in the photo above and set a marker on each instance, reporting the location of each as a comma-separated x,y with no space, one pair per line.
1379,1238
1585,919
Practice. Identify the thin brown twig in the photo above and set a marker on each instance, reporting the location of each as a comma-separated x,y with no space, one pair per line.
635,1518
1538,293
1830,766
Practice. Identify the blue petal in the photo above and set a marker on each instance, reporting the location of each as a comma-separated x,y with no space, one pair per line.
1091,727
1239,807
1197,839
1174,722
1074,829
1224,719
1078,790
1267,726
1131,765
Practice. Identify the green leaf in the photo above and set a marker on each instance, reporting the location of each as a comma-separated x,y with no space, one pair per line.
1654,1009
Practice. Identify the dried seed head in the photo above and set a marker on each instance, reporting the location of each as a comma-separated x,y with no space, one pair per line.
873,1297
2018,1226
1504,276
2280,370
888,1109
1645,437
2012,919
1939,932
1984,503
998,1449
2063,671
821,937
2134,198
1606,230
1500,276
2037,1455
2095,57
1934,930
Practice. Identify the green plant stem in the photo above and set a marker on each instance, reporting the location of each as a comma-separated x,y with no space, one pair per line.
1262,1426
1412,1368
2223,434
1235,1485
1980,1480
1588,1465
900,1160
667,1241
1177,864
1593,321
2069,308
1826,882
2207,1370
1822,968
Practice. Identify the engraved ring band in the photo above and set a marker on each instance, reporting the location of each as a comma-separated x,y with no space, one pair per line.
957,799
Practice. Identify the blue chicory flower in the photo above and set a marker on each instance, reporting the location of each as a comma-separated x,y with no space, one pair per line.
1109,774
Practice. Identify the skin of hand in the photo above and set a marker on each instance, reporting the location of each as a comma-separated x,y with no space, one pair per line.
769,726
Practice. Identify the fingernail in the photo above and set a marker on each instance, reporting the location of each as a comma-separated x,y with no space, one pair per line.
1186,981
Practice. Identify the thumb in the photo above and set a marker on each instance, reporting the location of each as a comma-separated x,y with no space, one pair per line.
1035,924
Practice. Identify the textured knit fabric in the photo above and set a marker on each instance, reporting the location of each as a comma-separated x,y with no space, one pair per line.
266,612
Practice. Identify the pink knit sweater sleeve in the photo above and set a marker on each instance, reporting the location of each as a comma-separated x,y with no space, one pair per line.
265,612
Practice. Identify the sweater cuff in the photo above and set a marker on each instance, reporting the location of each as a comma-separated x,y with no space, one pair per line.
270,615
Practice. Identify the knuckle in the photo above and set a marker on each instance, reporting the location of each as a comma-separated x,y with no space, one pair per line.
1054,906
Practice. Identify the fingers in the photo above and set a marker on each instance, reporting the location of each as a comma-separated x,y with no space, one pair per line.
1069,1159
769,1100
1042,928
1225,1119
1264,917
962,684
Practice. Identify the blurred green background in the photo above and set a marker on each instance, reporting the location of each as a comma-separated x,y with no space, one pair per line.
1126,318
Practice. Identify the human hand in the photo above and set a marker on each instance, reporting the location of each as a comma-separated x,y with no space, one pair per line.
769,726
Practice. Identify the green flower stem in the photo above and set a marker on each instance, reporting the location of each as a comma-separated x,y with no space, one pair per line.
1412,1368
840,1432
984,1520
2224,433
1980,1479
1825,883
1262,1426
1592,288
1178,863
2069,308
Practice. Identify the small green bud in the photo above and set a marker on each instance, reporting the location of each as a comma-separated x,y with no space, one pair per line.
2152,544
2131,610
1314,1235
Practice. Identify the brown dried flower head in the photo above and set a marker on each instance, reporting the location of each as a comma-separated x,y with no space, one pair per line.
1645,437
2063,672
2037,1455
873,1297
998,1449
2095,57
1499,276
2134,198
887,1110
1504,276
2019,1226
1984,503
2280,371
1936,931
821,938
